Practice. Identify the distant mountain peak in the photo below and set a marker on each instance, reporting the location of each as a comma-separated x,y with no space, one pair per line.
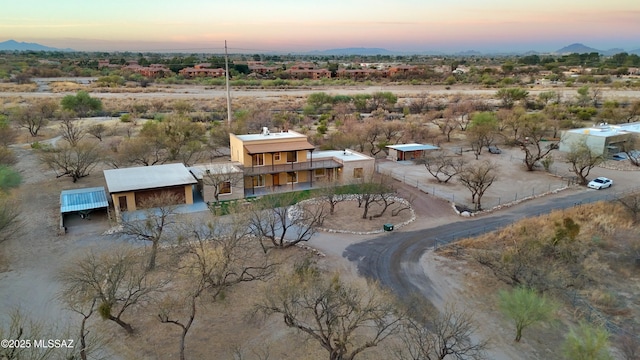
12,45
355,51
578,48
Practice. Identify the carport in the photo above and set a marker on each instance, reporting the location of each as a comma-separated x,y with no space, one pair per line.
407,152
81,202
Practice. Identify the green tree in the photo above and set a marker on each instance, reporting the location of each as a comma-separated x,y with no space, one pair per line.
587,342
525,307
482,131
81,104
509,96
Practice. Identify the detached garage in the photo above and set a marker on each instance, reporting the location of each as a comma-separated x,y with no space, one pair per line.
81,203
131,187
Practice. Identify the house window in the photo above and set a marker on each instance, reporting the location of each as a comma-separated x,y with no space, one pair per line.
292,156
358,173
276,156
292,177
258,181
258,159
319,172
225,187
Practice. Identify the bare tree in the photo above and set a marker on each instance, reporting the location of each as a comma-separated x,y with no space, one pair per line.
632,204
22,328
97,131
217,257
447,124
419,104
154,226
9,221
429,335
117,281
511,119
345,319
441,166
276,217
34,117
477,178
73,161
534,128
71,131
631,149
371,191
140,151
582,159
331,195
222,179
89,343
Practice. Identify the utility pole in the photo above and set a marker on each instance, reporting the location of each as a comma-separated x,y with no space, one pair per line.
226,71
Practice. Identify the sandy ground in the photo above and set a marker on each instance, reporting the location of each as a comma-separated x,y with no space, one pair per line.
36,253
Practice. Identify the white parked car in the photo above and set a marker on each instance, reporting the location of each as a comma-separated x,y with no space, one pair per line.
600,183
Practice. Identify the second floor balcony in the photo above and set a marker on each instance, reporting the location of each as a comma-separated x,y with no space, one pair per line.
294,166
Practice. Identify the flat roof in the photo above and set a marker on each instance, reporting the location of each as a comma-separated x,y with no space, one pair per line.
609,130
220,168
148,177
343,155
412,147
272,135
83,199
278,147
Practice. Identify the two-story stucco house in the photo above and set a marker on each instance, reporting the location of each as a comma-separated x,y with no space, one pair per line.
286,161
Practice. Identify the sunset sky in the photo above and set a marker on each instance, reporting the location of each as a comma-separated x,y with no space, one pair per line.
257,26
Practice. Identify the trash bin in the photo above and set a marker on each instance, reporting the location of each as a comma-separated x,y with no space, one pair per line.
387,227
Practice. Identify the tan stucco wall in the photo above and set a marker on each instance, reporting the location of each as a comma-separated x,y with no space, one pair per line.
131,202
239,153
367,165
188,194
208,194
236,148
131,199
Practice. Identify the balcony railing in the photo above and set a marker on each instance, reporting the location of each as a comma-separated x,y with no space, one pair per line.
297,166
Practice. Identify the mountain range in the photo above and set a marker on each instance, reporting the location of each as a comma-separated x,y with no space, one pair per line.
570,49
12,45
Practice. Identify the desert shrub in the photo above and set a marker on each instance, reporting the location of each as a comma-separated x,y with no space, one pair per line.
7,157
126,118
9,178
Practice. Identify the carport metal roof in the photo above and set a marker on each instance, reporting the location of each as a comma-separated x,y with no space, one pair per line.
148,177
83,199
412,147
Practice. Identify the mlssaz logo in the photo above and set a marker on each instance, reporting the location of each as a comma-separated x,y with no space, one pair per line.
53,344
